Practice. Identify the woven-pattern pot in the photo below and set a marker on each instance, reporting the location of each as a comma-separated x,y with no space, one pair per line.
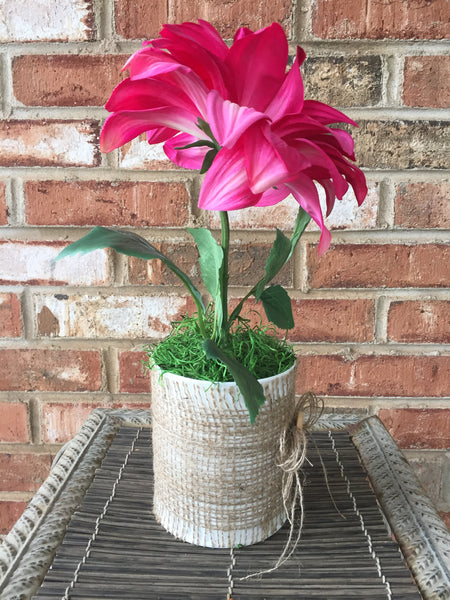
217,483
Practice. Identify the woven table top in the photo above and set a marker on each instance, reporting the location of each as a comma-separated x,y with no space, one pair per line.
114,549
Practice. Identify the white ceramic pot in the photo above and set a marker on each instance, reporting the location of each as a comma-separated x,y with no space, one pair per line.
217,483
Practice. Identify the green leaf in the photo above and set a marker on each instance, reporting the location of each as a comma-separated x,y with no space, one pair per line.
250,388
278,256
301,222
130,244
211,261
277,306
208,160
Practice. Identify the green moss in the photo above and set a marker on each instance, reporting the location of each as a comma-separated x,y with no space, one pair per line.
256,348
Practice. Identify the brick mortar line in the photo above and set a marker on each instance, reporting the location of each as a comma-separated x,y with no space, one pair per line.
355,349
348,47
359,114
23,448
74,174
16,496
386,205
368,237
382,304
393,84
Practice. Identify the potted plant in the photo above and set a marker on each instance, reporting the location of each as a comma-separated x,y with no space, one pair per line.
223,390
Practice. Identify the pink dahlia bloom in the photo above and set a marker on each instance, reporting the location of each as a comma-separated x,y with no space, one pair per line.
238,110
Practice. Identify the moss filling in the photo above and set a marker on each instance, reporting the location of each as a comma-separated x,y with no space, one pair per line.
256,348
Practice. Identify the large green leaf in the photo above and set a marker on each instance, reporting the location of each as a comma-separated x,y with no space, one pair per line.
250,388
278,256
301,222
277,306
130,244
211,261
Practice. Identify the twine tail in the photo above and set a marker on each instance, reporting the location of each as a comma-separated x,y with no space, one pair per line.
292,455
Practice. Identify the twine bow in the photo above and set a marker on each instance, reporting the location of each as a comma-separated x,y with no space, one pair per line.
291,457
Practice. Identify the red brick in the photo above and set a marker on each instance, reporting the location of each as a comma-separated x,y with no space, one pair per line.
418,428
23,472
66,80
227,17
247,264
445,516
3,206
133,378
409,19
141,204
320,320
30,262
14,422
323,320
10,322
425,81
379,265
62,421
50,370
423,205
419,322
49,143
409,376
10,511
140,19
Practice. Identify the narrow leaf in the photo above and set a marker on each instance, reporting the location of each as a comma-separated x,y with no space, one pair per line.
278,256
210,258
301,222
250,388
277,306
130,244
208,160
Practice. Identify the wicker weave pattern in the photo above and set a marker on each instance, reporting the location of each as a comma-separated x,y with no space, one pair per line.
217,483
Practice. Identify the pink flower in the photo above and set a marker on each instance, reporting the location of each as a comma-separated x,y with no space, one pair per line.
189,90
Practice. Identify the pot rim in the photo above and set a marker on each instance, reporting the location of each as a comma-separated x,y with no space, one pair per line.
205,383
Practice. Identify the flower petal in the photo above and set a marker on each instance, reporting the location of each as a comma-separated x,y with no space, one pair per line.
202,33
142,94
190,158
225,186
325,114
305,192
228,120
123,126
257,62
269,160
289,98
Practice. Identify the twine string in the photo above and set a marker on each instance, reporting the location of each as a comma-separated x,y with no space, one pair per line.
291,457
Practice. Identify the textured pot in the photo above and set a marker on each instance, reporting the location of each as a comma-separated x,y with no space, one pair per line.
217,483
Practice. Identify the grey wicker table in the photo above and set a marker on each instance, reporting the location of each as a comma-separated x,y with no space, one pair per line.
89,532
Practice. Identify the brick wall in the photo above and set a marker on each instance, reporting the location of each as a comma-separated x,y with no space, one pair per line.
372,315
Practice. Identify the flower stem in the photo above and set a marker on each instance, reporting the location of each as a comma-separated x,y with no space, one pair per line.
225,243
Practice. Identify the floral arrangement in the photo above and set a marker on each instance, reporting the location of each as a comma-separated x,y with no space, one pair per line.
238,116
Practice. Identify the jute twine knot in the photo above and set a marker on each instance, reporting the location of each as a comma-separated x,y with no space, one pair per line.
291,457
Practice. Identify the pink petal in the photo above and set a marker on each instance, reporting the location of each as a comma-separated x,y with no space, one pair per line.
148,62
202,33
273,195
206,65
190,158
305,192
321,162
142,94
269,161
123,126
228,120
325,114
225,186
289,98
257,62
160,134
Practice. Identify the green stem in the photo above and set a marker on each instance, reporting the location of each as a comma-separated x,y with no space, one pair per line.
225,243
